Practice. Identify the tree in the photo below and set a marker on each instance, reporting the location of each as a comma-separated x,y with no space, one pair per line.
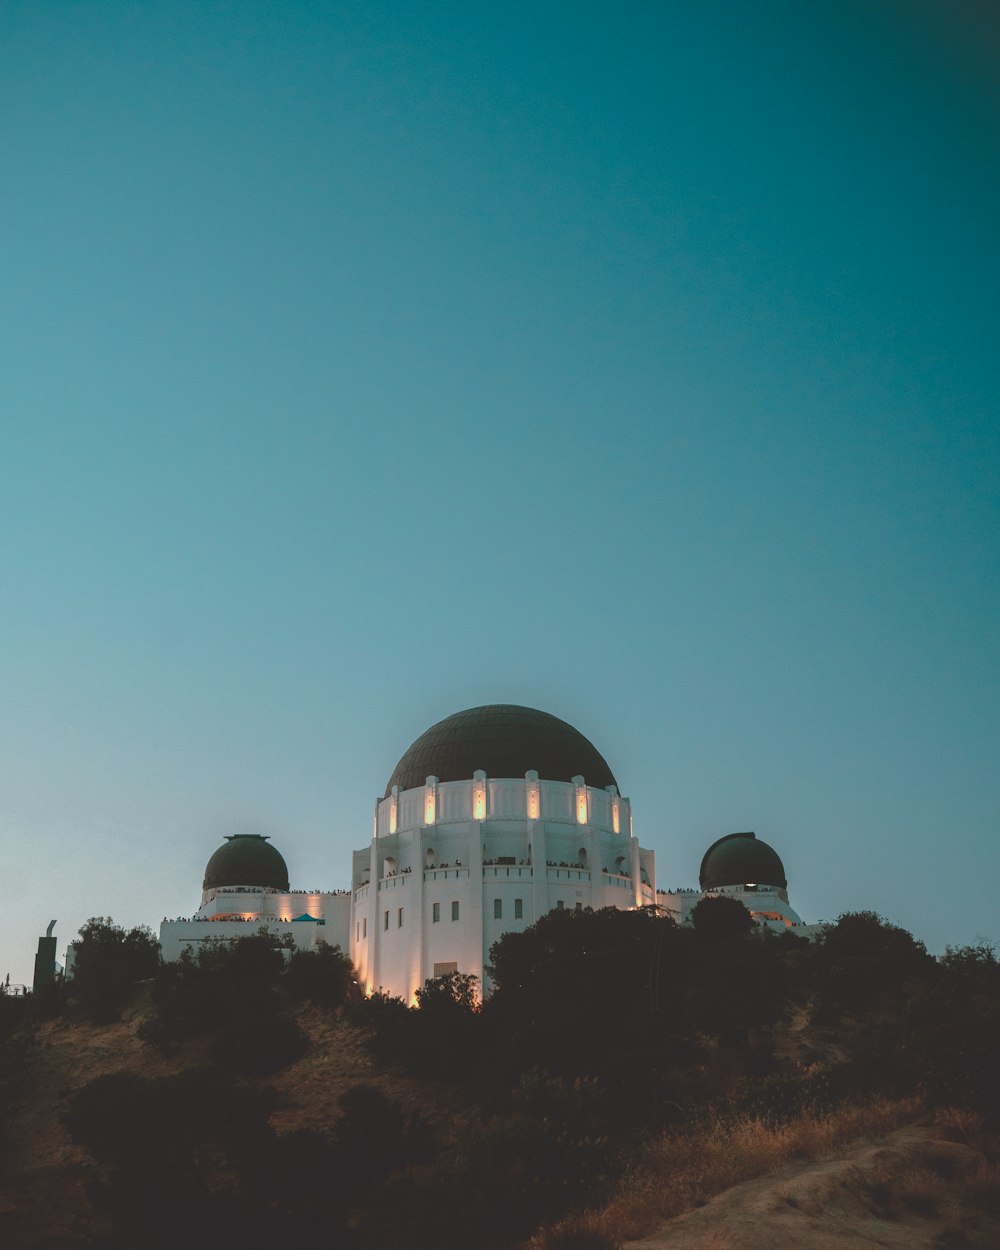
108,961
721,919
324,976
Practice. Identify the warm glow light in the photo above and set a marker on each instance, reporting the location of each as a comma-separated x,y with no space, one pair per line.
581,806
392,814
532,802
429,808
616,820
479,803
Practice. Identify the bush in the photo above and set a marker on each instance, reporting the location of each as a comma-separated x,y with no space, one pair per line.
258,1043
721,919
108,961
182,1157
324,976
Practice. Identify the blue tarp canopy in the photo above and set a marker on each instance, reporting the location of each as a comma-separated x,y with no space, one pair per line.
305,916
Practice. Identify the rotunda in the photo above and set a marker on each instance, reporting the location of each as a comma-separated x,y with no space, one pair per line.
742,860
491,818
246,859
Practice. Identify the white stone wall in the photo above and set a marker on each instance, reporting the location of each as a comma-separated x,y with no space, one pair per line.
239,911
176,936
768,905
438,852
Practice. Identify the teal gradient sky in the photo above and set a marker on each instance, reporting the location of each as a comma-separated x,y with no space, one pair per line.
362,363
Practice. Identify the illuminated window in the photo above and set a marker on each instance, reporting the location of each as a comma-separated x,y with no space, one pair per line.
498,909
386,921
454,911
399,918
519,909
435,913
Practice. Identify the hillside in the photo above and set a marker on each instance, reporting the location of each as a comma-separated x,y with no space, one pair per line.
626,1080
44,1174
914,1189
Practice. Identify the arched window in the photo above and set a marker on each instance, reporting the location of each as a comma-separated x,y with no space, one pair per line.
430,858
581,857
388,866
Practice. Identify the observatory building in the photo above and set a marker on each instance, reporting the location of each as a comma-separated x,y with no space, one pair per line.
246,889
492,818
743,867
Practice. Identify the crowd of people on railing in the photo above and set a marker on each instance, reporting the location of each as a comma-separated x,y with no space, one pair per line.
270,889
259,919
507,862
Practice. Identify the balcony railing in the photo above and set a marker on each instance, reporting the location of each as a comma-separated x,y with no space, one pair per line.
504,872
567,874
446,874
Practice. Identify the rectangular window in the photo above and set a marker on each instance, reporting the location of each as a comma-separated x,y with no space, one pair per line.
399,918
364,928
519,909
435,912
579,907
386,922
498,909
454,911
442,970
559,906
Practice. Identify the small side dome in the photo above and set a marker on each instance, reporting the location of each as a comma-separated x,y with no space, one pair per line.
741,859
246,859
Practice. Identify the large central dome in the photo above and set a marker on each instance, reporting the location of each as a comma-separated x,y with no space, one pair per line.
503,740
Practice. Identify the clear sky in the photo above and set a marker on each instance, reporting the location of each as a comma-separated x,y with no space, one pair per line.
365,362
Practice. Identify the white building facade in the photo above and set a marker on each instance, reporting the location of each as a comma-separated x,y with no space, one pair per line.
455,864
245,891
493,818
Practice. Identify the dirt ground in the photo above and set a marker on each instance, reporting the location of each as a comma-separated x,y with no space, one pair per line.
911,1192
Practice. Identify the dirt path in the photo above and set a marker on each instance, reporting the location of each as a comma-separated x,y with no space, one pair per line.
911,1192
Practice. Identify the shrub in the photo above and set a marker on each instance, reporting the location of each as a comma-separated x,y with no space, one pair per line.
324,976
721,919
258,1043
108,961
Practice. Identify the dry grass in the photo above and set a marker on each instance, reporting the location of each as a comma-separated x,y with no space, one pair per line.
684,1170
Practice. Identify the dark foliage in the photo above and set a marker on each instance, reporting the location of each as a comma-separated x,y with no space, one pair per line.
324,976
602,1026
252,1043
192,1161
180,1157
721,919
109,960
863,959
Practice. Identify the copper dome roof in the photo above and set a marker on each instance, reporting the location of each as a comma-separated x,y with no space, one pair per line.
741,859
503,740
246,859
